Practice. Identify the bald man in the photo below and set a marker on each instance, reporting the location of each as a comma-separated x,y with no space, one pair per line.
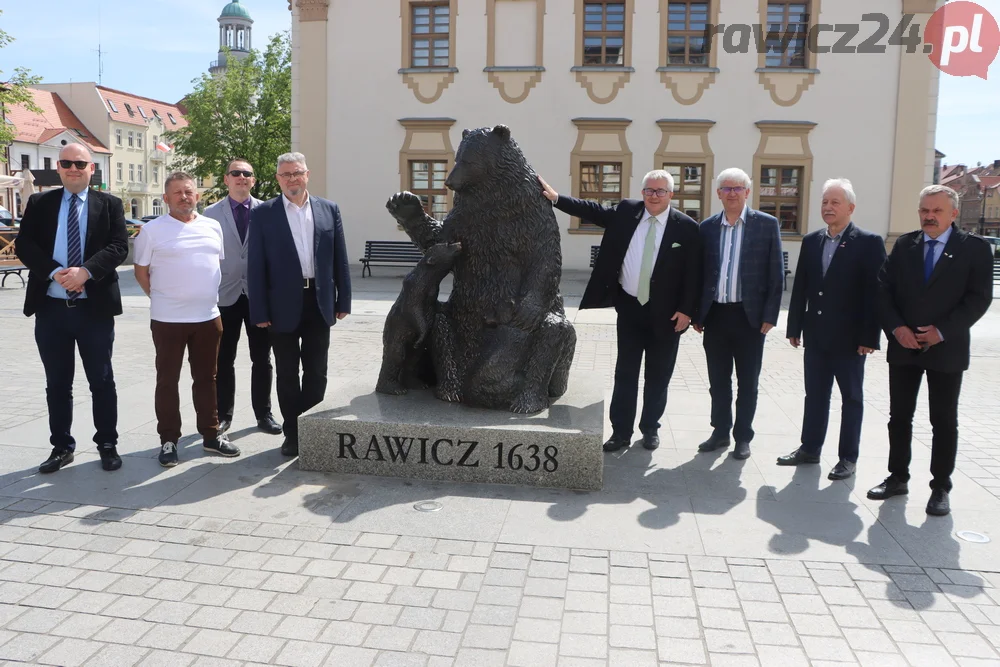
72,240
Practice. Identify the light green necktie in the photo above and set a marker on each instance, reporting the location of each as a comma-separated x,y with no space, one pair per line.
648,252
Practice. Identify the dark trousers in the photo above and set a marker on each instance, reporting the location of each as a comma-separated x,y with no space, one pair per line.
59,329
637,335
942,398
821,368
201,341
235,318
729,339
309,345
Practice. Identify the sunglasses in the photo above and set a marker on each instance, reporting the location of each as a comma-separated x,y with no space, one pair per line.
240,172
79,164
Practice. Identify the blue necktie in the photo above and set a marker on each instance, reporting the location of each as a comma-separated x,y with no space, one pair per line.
929,260
74,249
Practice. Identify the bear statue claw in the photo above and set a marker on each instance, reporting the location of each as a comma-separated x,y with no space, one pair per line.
390,387
528,403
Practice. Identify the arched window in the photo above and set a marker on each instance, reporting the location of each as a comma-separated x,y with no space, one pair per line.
135,209
157,207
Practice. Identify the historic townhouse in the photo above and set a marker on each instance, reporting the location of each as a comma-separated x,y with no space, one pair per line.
598,92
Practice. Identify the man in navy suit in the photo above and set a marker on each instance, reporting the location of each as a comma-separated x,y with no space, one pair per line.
649,269
299,286
741,297
936,284
834,308
72,239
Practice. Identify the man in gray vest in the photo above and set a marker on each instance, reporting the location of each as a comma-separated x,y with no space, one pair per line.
233,214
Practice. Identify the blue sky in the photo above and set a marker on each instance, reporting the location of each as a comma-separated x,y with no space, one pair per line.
156,48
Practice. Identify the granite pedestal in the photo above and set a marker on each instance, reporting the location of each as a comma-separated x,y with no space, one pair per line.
417,436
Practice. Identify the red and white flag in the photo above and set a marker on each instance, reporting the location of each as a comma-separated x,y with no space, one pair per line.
163,147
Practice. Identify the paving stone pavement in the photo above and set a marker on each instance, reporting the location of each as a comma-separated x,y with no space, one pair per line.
682,558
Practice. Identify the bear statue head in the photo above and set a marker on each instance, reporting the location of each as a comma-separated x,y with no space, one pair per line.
486,158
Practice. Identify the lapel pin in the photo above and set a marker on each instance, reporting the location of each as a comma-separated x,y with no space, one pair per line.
948,255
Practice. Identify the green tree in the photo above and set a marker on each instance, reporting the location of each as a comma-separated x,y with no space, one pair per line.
243,112
12,92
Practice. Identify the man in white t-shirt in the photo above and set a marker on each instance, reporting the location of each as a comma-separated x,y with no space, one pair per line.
177,265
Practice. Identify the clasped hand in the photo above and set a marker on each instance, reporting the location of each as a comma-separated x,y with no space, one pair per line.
72,279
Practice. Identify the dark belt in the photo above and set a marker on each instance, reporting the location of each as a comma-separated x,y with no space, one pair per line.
69,303
308,283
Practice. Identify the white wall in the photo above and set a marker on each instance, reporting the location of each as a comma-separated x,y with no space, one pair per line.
852,101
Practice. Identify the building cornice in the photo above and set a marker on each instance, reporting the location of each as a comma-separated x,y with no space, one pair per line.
311,10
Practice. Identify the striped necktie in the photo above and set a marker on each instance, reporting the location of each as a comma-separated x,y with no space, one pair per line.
74,246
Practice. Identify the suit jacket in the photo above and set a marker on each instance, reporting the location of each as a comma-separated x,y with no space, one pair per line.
959,292
761,267
675,284
838,312
274,273
105,248
234,266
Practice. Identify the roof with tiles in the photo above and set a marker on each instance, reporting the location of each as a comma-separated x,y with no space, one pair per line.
54,119
136,110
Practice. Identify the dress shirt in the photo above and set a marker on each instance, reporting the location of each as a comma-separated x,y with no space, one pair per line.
60,249
939,247
830,245
300,221
729,289
632,265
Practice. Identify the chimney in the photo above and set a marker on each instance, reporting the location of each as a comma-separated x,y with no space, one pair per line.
996,164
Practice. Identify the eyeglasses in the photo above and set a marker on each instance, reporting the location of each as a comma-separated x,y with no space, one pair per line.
240,172
79,164
293,174
649,192
727,189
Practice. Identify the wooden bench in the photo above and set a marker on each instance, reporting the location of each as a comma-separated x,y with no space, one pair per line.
595,250
784,260
389,253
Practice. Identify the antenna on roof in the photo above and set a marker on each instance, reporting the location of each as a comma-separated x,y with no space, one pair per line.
100,53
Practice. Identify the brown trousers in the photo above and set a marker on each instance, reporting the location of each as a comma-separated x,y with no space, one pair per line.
201,340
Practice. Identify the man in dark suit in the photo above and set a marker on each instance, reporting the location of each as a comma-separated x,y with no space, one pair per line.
834,307
233,214
649,269
741,297
72,240
300,286
935,285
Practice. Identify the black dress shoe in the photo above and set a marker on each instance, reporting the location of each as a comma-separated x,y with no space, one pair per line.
938,505
798,457
615,443
224,425
714,443
109,457
892,486
843,470
742,450
650,441
57,459
269,425
290,447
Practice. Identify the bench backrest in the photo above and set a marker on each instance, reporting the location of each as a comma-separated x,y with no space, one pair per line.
392,250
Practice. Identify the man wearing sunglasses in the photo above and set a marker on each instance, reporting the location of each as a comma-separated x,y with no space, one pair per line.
300,285
233,214
72,240
741,297
649,269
